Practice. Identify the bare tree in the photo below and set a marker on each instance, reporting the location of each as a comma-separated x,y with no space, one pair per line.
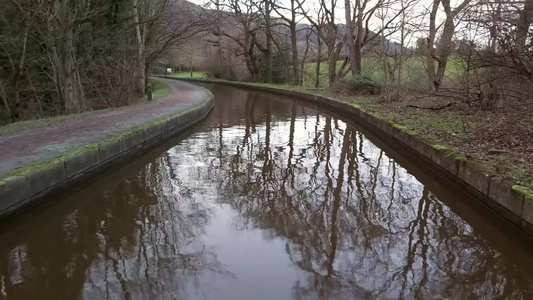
358,27
291,23
161,25
241,26
328,33
437,55
61,24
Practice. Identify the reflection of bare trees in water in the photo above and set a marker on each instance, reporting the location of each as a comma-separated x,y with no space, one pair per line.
357,223
105,255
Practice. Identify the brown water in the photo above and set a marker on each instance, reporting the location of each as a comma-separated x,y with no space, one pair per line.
267,199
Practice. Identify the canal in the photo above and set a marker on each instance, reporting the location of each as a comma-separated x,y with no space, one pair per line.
268,198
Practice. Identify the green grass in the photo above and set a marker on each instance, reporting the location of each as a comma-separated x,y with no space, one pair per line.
188,75
441,147
525,191
413,71
450,125
159,89
521,177
462,158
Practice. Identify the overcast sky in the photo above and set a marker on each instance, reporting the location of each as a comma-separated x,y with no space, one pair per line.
312,5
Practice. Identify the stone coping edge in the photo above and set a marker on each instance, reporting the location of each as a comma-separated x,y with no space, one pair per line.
514,203
31,184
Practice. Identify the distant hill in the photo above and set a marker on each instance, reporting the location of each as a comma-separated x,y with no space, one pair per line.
203,43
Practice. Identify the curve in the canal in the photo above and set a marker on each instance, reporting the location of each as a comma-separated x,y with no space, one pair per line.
269,198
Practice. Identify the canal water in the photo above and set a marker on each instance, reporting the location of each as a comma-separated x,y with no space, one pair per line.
267,199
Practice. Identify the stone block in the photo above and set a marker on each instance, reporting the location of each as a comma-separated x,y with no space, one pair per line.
164,126
475,176
46,176
366,117
527,227
172,123
308,97
501,191
384,126
188,117
13,190
414,142
133,139
425,149
343,106
445,159
197,113
81,161
110,149
152,131
402,136
379,124
527,213
356,112
177,120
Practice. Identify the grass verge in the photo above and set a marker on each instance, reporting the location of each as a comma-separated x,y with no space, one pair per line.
189,75
159,89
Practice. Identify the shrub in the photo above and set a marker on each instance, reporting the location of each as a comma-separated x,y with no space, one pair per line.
359,85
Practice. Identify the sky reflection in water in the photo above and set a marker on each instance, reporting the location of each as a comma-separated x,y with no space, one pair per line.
268,199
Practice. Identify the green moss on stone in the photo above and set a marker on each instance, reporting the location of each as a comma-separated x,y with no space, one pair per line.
527,192
397,126
461,158
76,151
25,171
441,147
403,128
356,106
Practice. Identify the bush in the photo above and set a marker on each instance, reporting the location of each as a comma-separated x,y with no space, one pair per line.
359,85
281,69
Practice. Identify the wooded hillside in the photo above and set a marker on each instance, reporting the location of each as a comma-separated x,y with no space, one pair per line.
68,56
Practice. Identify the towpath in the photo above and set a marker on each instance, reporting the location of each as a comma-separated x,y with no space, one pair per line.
30,146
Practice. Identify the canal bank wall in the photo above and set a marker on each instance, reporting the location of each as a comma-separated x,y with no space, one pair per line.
510,201
135,131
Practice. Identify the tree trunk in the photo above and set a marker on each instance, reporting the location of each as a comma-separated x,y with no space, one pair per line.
444,47
250,57
358,45
141,58
430,61
318,61
524,23
294,46
332,66
304,58
67,79
332,53
268,54
350,38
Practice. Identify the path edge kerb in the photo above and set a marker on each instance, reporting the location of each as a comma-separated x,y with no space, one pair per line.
30,184
514,203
